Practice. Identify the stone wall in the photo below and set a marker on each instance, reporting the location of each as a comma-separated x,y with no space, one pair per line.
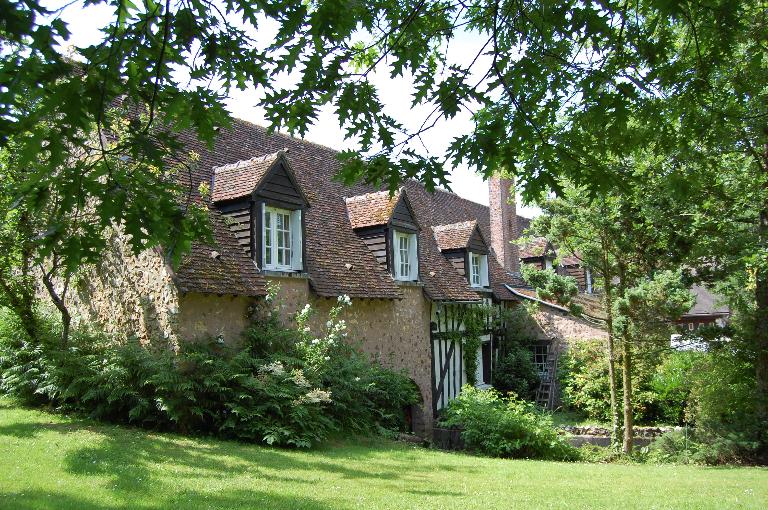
394,332
134,295
127,294
560,327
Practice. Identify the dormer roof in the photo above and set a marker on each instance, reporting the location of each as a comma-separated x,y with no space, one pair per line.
379,208
458,236
241,179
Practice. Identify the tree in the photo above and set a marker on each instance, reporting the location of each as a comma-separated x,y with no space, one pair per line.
622,239
551,286
644,317
558,91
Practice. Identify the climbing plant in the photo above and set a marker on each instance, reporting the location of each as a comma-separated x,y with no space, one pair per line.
475,321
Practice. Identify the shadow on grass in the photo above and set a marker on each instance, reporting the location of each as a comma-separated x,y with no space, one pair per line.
45,500
132,463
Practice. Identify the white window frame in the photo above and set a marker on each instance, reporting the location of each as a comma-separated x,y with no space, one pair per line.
478,273
294,245
412,264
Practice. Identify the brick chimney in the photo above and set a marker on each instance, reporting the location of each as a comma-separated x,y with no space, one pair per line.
503,222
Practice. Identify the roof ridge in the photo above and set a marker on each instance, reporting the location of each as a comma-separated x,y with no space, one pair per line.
446,226
285,135
364,196
245,162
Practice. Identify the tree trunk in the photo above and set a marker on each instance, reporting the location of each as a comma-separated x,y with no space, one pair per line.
58,301
626,370
613,383
626,358
761,320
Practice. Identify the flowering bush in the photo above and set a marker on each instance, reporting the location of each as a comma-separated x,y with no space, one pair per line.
364,395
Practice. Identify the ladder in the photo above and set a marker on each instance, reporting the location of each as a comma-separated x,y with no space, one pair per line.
545,394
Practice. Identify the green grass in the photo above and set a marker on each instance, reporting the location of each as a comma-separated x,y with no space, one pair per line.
50,461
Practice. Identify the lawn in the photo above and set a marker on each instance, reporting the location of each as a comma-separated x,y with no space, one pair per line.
50,461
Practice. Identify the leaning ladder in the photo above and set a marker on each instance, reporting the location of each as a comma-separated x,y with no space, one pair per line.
545,394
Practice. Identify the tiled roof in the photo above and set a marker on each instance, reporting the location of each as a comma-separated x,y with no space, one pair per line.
223,268
238,180
707,303
371,209
454,236
337,260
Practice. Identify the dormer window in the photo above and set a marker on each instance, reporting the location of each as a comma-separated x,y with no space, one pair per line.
281,239
465,248
263,205
406,256
387,226
478,269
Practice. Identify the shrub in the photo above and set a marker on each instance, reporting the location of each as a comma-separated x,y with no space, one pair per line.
280,386
661,383
505,427
516,373
694,447
583,377
514,370
672,384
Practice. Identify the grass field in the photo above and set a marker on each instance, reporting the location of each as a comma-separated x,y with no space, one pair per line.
49,461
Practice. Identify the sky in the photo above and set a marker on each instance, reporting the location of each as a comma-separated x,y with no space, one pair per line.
395,94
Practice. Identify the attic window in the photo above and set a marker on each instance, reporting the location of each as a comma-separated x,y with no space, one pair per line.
281,239
406,256
478,269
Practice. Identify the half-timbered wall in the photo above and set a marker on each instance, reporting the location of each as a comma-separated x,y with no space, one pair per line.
448,374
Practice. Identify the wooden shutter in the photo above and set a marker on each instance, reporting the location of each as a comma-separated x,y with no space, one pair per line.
413,255
484,270
297,251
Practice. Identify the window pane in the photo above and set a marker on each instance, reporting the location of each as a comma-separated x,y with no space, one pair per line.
405,266
475,269
267,238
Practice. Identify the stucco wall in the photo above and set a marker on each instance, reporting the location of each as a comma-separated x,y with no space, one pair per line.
204,316
395,332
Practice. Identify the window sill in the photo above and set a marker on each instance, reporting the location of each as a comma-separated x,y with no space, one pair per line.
284,274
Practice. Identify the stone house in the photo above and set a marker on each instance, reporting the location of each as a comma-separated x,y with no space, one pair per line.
412,262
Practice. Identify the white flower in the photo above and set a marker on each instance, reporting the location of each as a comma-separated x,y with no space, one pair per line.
345,300
317,395
299,379
329,324
327,358
315,341
275,368
357,379
306,308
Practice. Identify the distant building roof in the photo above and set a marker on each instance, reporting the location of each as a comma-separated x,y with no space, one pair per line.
707,303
